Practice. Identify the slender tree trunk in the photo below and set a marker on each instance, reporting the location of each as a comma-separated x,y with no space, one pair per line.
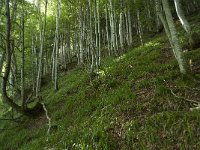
57,45
22,59
130,28
91,38
42,35
164,22
112,26
81,36
2,58
177,47
140,28
107,32
1,6
127,29
96,34
53,61
186,24
99,34
33,65
121,31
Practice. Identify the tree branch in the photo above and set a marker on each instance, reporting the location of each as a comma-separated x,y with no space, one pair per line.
49,120
185,99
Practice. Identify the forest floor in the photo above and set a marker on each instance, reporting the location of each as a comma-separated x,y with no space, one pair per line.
138,101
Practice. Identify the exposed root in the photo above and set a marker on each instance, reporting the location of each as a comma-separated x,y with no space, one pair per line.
49,121
195,103
185,99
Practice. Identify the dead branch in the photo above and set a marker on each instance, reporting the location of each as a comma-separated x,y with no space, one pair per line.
185,99
49,120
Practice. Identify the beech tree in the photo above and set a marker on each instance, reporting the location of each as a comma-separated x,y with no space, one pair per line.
5,96
171,32
193,37
42,38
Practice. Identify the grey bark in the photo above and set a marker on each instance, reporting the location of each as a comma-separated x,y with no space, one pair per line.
57,45
184,22
176,44
42,35
22,59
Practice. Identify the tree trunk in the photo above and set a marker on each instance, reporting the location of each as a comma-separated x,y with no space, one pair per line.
57,46
29,111
107,32
8,61
164,22
22,58
174,38
99,35
130,28
42,35
194,42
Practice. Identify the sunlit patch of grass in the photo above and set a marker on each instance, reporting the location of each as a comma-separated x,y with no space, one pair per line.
120,58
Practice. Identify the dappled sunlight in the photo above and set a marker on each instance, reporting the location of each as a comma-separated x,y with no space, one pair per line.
151,44
120,58
83,74
101,73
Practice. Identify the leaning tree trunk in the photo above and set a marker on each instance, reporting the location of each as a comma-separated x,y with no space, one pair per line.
192,39
176,44
5,97
163,20
28,111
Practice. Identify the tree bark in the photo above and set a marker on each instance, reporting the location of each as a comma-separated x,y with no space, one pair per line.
57,46
29,111
22,59
174,38
193,42
42,35
5,97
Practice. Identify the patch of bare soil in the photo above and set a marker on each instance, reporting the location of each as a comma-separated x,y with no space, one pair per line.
187,93
118,135
166,54
37,122
195,66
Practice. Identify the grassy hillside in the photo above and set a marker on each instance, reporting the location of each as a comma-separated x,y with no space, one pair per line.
138,101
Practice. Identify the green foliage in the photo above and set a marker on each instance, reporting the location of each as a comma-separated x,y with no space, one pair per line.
128,106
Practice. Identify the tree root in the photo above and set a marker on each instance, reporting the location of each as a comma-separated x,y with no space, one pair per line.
195,103
49,121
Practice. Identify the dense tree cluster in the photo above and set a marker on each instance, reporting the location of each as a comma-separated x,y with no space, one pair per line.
41,37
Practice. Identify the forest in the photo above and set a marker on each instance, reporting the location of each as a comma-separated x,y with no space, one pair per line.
99,74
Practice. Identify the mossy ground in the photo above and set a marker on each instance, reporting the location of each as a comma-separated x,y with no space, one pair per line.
129,106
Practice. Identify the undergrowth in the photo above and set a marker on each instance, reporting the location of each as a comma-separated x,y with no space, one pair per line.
128,106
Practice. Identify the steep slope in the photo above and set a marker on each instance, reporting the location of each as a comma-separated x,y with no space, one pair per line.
138,101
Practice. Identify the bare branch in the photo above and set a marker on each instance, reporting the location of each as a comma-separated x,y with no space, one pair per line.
185,99
49,120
